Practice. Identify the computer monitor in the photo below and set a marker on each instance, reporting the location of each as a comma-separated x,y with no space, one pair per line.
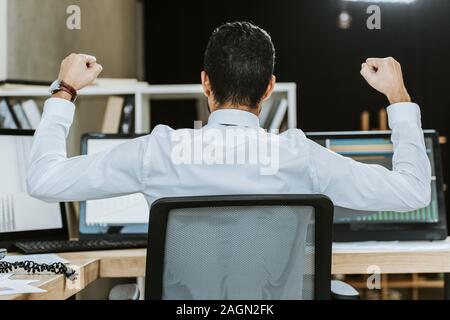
125,215
21,216
375,147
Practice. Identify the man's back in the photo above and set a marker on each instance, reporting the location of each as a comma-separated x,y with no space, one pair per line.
233,158
230,155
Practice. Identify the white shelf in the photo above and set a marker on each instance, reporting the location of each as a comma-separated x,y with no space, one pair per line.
144,92
171,89
42,91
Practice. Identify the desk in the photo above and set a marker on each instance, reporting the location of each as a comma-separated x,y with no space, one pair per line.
405,257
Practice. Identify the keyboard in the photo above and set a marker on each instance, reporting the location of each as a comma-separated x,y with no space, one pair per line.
30,247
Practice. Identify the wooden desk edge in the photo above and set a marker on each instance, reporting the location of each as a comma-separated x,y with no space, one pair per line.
57,286
131,263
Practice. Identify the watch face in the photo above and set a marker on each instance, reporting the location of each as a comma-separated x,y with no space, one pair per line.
54,86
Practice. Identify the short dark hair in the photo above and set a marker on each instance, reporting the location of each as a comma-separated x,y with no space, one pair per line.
239,60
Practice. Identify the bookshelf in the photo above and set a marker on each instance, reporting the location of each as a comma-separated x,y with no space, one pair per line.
143,94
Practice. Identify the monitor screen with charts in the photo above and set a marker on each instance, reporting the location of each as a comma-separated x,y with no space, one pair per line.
376,148
21,216
121,215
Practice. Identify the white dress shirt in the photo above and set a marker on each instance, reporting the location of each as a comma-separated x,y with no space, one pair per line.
151,164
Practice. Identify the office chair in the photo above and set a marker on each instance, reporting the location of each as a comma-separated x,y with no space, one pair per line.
245,247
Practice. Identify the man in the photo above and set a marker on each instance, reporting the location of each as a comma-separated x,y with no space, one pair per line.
237,78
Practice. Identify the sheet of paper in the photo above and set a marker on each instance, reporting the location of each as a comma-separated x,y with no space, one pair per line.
47,258
8,286
4,276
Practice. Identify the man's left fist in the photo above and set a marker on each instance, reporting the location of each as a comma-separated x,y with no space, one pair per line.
79,70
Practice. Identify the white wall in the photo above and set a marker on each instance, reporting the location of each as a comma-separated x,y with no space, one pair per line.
3,40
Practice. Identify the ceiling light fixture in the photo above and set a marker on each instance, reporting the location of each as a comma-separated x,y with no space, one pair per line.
344,20
383,1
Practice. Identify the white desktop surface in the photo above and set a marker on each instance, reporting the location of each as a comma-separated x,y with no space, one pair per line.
397,246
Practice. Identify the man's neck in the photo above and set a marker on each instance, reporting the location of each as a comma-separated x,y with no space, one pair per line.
255,111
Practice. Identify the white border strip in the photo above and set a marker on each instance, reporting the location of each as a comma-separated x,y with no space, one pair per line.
3,40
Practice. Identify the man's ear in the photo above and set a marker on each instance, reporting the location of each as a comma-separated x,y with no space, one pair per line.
206,84
270,88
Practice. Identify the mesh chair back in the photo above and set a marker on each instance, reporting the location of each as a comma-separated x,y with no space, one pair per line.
229,249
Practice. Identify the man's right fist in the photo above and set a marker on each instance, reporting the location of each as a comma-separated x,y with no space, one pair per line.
79,70
385,75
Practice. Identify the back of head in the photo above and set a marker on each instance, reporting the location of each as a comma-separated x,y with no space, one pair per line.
239,60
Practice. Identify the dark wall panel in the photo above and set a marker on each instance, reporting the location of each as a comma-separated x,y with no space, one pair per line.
312,51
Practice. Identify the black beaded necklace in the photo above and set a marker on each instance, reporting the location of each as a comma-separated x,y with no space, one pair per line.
33,267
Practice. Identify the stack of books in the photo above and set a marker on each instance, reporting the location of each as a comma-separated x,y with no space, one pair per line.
119,115
18,114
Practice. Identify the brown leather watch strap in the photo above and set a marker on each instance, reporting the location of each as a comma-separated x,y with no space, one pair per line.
69,89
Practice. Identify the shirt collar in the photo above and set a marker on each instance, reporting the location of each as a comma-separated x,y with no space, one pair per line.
233,117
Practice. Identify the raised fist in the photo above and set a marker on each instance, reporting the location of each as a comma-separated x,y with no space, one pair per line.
385,75
79,70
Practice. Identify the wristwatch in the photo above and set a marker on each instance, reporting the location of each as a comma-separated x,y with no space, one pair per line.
59,85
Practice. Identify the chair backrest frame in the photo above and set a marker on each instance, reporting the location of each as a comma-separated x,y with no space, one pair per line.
159,213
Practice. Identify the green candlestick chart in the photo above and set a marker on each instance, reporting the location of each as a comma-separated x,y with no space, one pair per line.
427,214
